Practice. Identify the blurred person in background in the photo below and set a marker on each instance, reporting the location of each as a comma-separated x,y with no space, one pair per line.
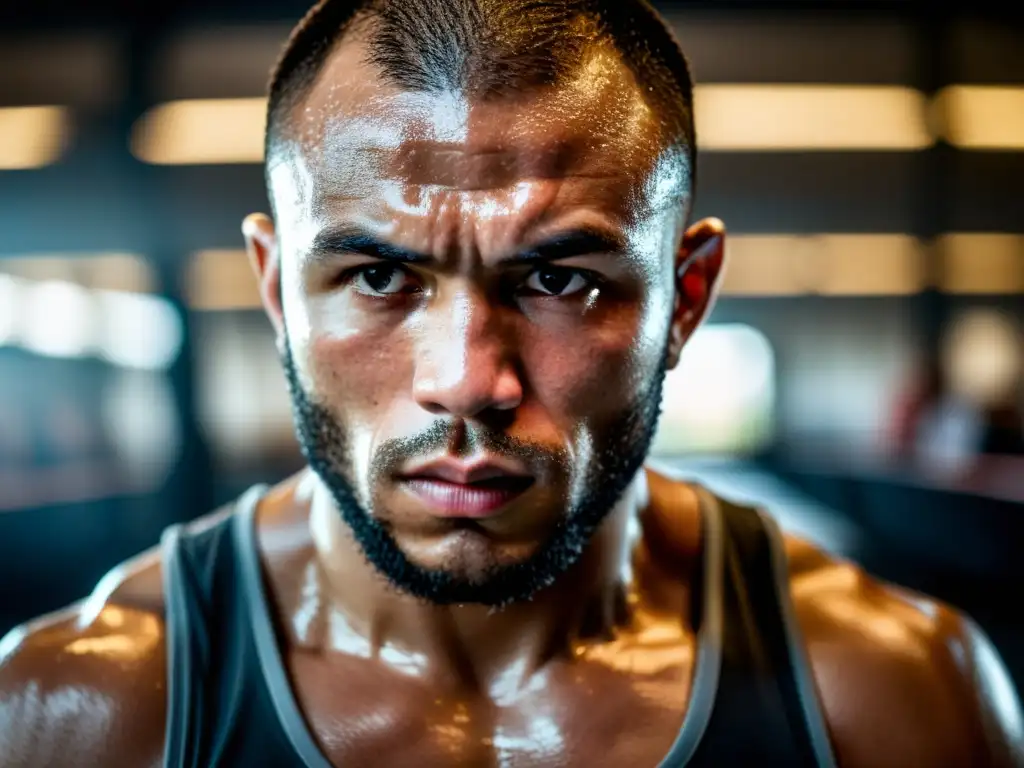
938,431
481,265
925,388
962,406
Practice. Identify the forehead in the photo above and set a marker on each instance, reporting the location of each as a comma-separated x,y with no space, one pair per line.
355,131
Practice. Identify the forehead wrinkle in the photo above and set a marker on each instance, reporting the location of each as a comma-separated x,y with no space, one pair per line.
550,197
450,225
623,200
489,167
526,210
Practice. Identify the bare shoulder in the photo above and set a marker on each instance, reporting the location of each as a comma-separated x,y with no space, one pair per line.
86,685
904,679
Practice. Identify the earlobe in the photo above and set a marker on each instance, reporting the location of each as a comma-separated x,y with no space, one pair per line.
261,247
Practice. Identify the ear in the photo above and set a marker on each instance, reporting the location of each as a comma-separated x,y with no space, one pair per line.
261,246
698,270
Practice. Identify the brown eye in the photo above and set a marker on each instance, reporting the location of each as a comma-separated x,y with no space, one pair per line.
558,281
380,280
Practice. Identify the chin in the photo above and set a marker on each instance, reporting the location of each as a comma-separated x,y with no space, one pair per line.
467,554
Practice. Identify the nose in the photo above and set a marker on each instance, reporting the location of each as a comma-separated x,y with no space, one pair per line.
463,366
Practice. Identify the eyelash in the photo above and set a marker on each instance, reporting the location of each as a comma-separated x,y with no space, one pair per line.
592,279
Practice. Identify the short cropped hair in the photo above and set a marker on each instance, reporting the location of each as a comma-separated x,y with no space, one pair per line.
488,48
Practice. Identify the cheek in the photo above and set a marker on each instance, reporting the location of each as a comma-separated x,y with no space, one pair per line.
358,374
595,370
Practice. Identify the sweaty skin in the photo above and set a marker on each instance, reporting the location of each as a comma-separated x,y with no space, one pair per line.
903,681
596,669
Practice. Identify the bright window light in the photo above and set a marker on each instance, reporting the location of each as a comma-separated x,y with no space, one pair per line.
720,398
59,320
139,331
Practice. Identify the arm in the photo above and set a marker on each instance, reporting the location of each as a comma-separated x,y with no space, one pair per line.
86,686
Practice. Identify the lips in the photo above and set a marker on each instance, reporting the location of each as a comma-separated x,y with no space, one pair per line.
478,490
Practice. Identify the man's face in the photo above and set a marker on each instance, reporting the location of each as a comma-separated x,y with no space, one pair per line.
488,285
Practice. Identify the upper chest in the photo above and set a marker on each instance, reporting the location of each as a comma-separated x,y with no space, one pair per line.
618,706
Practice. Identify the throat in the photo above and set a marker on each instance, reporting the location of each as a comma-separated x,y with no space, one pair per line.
474,646
497,652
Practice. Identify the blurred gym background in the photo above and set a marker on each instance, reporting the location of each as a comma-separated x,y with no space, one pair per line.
861,375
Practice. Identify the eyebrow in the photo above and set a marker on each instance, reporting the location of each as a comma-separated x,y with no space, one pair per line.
351,240
583,241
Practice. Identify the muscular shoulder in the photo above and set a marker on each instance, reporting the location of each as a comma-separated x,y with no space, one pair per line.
904,679
86,686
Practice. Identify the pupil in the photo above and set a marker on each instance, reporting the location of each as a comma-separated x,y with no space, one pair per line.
379,278
555,280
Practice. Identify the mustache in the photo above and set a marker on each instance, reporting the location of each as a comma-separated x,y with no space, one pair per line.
463,439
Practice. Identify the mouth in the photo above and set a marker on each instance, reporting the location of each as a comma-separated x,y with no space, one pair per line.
475,500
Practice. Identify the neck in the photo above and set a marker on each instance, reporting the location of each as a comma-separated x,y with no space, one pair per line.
472,645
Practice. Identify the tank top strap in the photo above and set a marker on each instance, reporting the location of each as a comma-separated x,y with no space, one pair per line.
188,592
767,709
220,713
